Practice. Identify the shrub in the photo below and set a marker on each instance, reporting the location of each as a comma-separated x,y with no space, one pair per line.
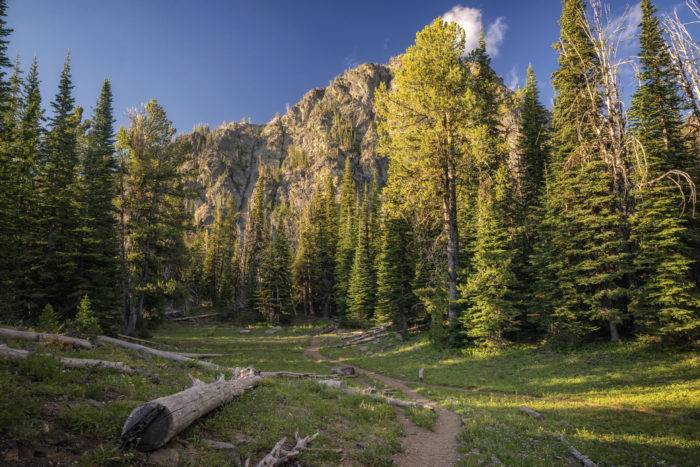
40,367
49,320
85,321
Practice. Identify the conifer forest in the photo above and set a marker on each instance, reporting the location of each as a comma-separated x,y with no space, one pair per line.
416,265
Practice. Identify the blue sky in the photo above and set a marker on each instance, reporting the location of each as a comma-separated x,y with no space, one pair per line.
214,61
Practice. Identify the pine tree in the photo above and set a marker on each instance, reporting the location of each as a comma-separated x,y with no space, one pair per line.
59,201
4,60
273,293
665,300
532,143
361,284
491,288
255,237
98,256
424,137
345,252
533,153
588,224
153,202
328,248
395,270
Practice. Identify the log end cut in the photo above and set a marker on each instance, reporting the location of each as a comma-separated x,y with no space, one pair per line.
148,427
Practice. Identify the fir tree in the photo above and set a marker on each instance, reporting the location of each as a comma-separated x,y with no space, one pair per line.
395,270
255,237
328,248
98,256
425,137
273,293
153,204
491,287
345,250
665,300
361,284
59,200
588,224
4,60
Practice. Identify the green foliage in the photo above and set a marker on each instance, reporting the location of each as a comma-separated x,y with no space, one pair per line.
49,319
39,367
153,205
273,300
361,286
347,233
396,301
85,321
665,300
491,313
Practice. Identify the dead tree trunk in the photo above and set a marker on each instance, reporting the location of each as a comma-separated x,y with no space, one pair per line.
142,349
281,456
44,337
154,423
19,354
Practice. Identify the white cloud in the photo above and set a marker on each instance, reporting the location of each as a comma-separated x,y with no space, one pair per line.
513,79
624,28
470,19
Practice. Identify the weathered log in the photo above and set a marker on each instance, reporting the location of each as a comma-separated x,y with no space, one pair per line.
10,333
291,374
142,349
204,355
531,412
341,386
281,456
151,425
345,370
68,362
142,341
584,460
194,317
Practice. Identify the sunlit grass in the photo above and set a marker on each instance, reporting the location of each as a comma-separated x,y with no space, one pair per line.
626,404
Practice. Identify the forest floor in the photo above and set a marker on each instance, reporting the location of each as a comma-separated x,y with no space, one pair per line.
619,404
52,416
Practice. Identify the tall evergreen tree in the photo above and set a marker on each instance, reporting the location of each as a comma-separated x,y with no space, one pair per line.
345,250
59,201
533,153
273,299
98,265
361,284
492,286
4,59
395,272
588,241
255,236
328,248
665,299
421,125
7,292
155,215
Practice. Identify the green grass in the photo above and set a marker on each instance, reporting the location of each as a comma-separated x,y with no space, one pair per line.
626,404
76,415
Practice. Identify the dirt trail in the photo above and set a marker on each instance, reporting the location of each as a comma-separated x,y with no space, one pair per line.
421,447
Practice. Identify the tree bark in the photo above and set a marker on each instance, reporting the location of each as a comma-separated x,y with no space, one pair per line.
450,226
151,425
19,354
280,456
178,357
44,337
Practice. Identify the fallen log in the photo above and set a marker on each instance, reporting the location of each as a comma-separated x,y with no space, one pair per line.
151,425
194,317
68,362
584,460
205,355
281,456
365,339
531,412
10,333
142,341
341,386
142,349
291,374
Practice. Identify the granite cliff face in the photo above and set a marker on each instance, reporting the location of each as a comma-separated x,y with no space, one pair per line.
298,149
